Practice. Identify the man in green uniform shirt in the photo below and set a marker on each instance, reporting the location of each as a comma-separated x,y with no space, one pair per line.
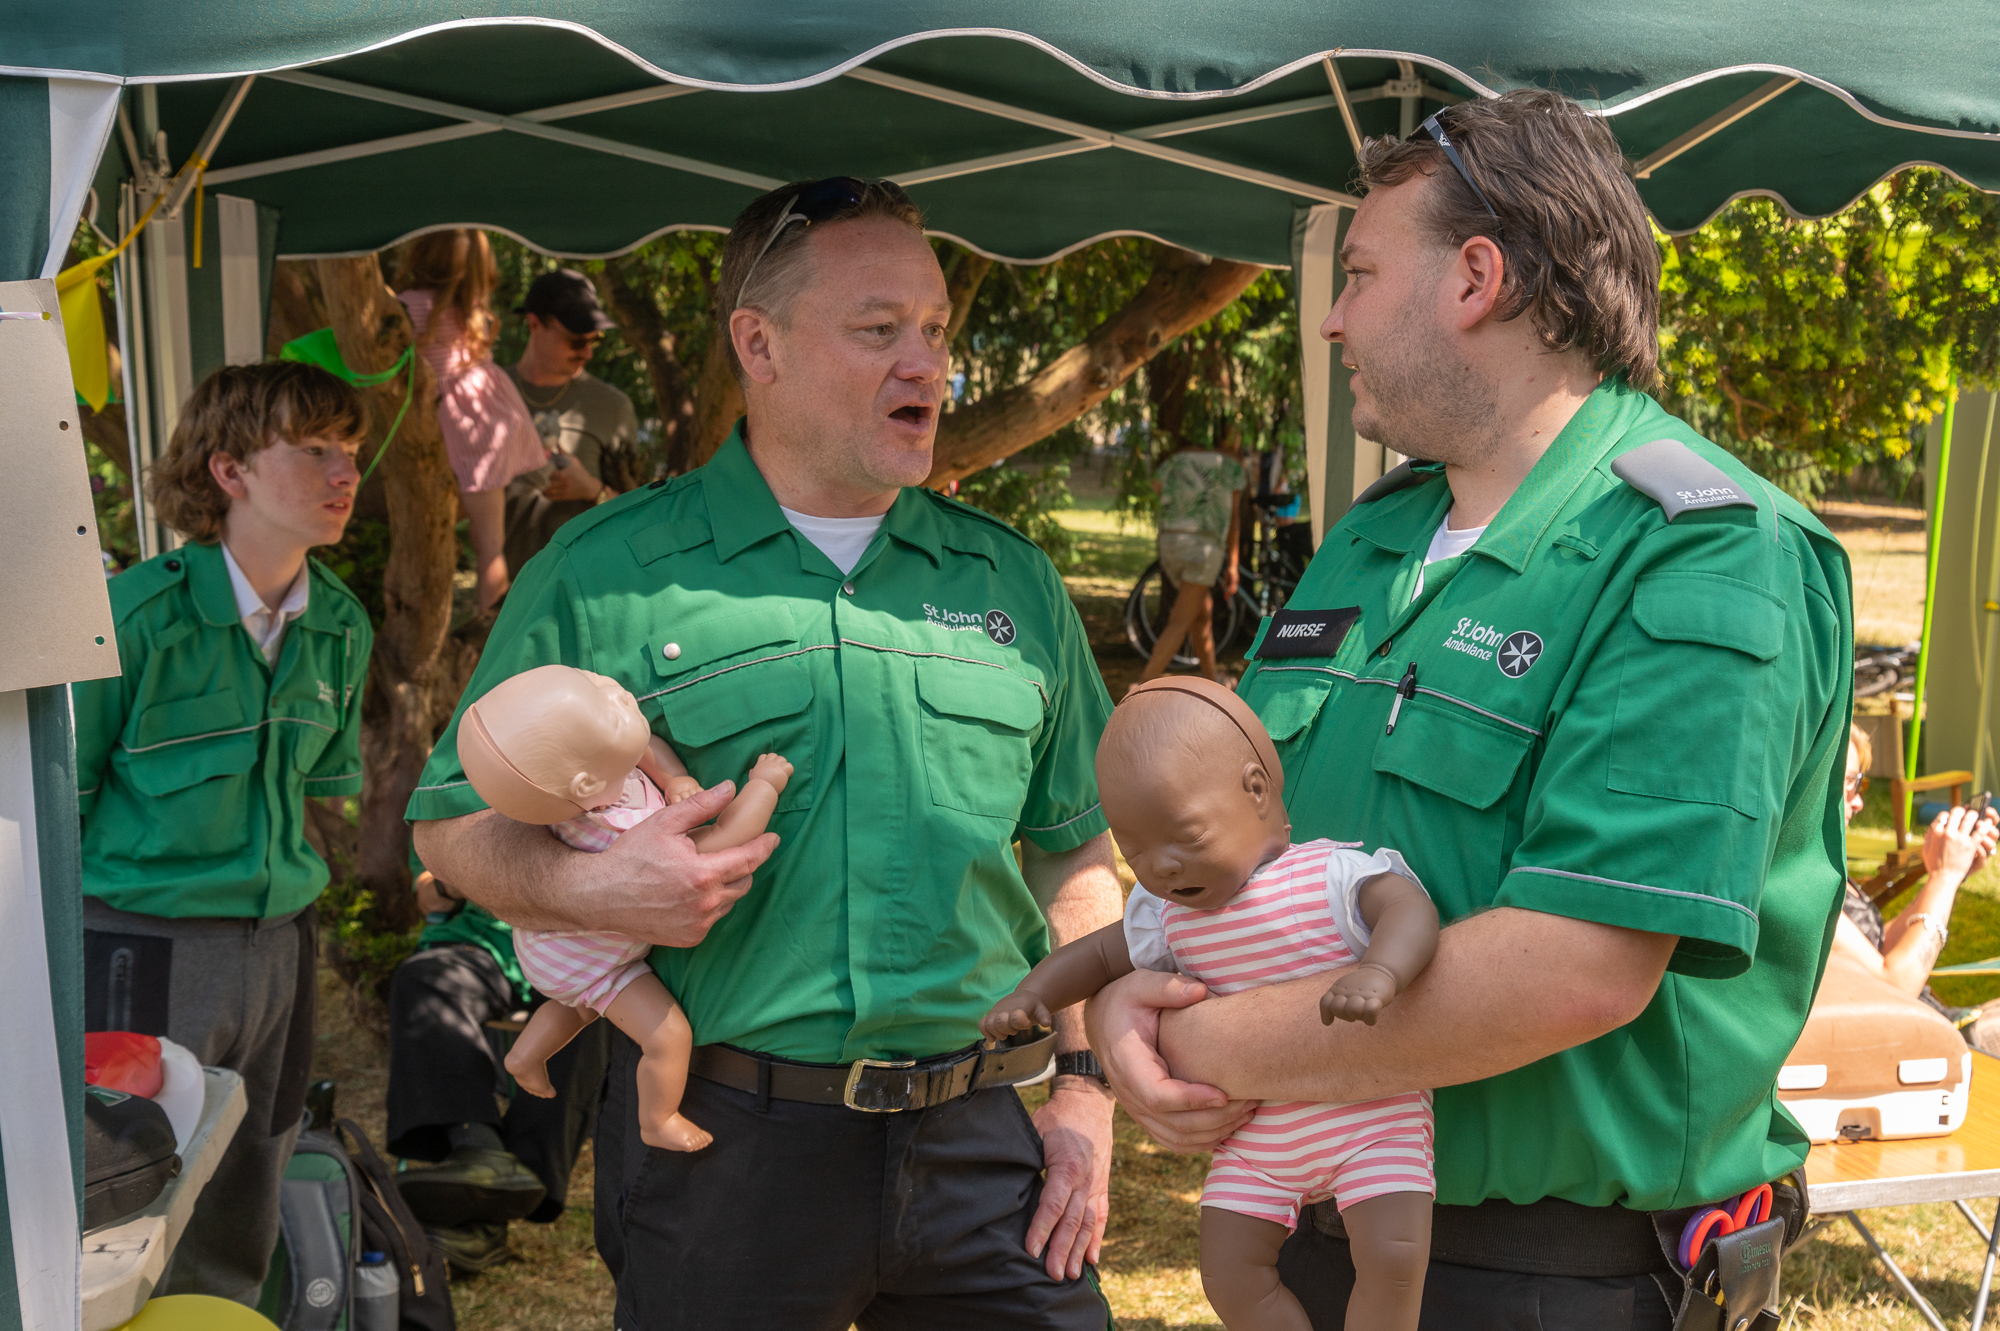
244,663
923,669
1591,676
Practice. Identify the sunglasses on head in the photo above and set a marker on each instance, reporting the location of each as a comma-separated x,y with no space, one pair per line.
818,202
1443,140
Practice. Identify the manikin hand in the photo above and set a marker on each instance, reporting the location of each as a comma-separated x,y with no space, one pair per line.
1359,995
1124,1025
1018,1011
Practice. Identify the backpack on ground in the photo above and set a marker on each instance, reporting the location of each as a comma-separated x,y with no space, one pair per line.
350,1257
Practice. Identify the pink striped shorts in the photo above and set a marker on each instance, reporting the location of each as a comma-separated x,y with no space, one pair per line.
589,969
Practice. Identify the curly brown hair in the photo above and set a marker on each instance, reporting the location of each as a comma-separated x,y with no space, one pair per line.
242,410
1581,260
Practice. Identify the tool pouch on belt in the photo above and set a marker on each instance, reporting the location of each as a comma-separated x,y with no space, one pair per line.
1733,1285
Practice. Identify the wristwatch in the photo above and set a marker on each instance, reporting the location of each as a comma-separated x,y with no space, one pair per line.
1082,1063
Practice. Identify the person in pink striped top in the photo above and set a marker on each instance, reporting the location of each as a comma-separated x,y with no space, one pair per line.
1194,793
447,280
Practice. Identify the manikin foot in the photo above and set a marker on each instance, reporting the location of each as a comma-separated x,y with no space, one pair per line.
530,1074
675,1134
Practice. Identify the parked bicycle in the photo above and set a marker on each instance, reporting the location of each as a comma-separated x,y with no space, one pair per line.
1273,559
1880,669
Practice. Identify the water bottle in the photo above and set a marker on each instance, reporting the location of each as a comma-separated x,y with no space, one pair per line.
377,1294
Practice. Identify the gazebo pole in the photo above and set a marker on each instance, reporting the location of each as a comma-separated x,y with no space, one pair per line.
1983,742
1930,592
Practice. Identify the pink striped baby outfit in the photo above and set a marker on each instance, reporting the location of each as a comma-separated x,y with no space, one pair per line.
589,969
1297,916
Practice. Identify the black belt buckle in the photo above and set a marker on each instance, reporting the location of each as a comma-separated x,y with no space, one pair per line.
871,1097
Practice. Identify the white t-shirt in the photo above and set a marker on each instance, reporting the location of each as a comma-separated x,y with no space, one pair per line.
843,540
1446,544
266,626
1346,870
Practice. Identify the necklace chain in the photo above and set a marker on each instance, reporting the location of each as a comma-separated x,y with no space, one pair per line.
522,384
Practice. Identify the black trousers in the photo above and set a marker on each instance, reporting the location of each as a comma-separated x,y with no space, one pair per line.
1318,1269
444,1069
815,1217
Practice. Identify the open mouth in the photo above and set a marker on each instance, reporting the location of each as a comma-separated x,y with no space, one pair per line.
1188,891
916,414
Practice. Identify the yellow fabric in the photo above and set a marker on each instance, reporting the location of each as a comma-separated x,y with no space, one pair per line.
196,1312
83,317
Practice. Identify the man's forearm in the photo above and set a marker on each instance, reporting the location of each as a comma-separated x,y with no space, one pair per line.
1506,988
1081,887
517,871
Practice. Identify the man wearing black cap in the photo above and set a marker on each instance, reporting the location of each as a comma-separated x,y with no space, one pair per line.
584,422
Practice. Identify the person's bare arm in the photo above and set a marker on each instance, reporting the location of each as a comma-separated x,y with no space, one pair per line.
1507,987
1067,1229
652,884
1955,846
1403,937
1064,978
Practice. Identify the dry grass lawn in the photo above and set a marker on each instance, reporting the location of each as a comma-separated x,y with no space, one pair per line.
1150,1270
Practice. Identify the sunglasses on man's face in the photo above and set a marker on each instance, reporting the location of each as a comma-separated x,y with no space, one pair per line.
1443,140
817,202
585,342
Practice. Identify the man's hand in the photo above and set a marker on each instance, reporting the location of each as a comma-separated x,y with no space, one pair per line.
1124,1025
657,866
1231,578
571,482
1068,1226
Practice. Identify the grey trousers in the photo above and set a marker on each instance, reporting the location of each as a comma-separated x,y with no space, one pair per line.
241,995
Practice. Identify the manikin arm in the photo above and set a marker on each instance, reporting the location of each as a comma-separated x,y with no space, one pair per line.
668,772
1403,937
750,812
1066,976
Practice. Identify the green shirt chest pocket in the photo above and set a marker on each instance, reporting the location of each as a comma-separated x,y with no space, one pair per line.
191,762
734,686
307,704
978,724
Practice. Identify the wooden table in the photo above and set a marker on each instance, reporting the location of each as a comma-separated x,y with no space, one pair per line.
1843,1178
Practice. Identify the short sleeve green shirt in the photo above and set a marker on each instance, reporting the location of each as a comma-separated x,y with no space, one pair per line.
1616,718
194,766
936,703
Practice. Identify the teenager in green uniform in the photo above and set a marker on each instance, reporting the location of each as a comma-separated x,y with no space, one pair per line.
923,669
244,662
1591,676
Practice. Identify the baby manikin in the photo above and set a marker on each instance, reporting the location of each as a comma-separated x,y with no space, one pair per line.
569,750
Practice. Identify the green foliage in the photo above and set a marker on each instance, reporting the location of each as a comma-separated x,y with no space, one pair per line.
1028,501
1809,348
365,953
111,497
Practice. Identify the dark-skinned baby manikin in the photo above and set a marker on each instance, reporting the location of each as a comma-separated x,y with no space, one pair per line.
1194,792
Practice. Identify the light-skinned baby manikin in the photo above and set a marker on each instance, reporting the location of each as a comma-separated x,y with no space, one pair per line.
1194,793
570,750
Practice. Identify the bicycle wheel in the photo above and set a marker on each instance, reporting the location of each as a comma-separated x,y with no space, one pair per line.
1152,602
1873,677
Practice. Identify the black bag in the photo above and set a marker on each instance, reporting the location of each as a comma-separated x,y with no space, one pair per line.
345,1261
128,1155
424,1299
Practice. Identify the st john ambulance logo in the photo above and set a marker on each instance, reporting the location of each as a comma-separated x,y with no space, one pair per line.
1518,653
999,627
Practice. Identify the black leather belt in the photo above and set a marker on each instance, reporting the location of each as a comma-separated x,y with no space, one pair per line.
874,1085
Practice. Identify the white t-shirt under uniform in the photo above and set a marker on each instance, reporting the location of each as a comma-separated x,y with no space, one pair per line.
1446,544
843,540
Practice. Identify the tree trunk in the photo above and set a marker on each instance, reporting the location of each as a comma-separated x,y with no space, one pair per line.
968,270
638,314
1184,292
418,669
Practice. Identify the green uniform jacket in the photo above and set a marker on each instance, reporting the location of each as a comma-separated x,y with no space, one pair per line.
1616,718
194,766
936,704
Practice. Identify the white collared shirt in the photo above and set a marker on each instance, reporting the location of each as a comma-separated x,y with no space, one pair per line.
266,626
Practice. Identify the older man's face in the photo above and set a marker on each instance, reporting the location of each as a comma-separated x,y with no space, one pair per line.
863,352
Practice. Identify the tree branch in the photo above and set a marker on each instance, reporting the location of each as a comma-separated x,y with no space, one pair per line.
1184,291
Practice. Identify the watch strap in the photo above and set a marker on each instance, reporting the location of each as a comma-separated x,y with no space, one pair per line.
1081,1063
